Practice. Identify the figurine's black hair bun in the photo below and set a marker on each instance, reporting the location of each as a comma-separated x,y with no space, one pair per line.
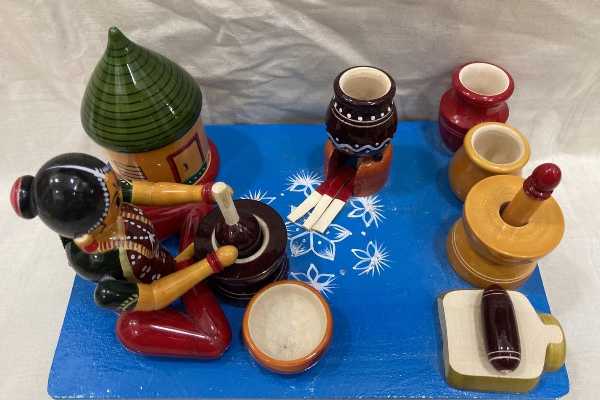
22,198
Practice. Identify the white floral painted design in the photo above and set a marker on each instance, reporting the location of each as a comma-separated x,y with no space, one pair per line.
321,282
374,259
259,195
368,208
321,244
305,182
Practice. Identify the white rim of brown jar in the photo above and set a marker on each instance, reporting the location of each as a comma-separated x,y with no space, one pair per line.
365,83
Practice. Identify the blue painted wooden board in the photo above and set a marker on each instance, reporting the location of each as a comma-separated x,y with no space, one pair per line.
382,266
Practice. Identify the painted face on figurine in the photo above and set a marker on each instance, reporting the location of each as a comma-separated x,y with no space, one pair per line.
74,194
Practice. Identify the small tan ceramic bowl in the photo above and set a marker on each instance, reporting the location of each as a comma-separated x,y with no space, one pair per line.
287,327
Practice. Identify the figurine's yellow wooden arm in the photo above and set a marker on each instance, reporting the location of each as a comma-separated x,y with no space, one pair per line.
146,193
133,296
159,294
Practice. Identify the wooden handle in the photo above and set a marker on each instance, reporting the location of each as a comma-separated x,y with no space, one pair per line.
146,193
161,293
556,353
222,193
536,188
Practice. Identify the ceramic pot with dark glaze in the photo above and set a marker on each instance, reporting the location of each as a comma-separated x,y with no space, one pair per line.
478,94
361,118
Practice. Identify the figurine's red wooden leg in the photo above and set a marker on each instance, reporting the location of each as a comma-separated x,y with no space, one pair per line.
203,332
190,225
168,333
204,308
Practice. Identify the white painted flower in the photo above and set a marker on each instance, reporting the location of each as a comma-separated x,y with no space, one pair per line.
321,282
305,182
368,208
259,195
374,259
321,244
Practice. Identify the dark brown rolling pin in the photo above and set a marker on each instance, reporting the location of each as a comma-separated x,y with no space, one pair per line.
502,343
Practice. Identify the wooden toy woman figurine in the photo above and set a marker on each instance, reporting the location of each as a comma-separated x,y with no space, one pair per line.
109,240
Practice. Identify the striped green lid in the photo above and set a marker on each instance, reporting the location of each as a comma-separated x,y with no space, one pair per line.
138,100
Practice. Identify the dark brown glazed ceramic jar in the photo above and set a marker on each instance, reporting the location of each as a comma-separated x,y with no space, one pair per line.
361,118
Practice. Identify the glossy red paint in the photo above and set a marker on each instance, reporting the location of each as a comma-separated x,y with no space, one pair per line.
190,225
14,197
169,220
213,168
542,181
170,333
461,109
201,332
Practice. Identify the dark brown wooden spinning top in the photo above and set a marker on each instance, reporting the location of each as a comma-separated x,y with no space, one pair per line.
257,231
245,235
239,229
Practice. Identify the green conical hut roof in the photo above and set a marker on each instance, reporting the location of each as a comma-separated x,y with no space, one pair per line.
138,100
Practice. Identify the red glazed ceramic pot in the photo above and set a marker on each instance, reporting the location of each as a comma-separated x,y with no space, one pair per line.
361,118
478,94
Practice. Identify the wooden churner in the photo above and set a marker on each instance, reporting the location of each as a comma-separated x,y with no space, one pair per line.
508,224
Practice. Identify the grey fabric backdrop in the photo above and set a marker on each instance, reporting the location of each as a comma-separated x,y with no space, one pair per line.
274,61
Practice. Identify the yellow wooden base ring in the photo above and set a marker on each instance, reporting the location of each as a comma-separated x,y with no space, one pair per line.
505,242
479,271
556,353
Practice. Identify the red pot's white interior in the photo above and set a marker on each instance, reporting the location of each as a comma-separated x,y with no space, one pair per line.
365,83
484,79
